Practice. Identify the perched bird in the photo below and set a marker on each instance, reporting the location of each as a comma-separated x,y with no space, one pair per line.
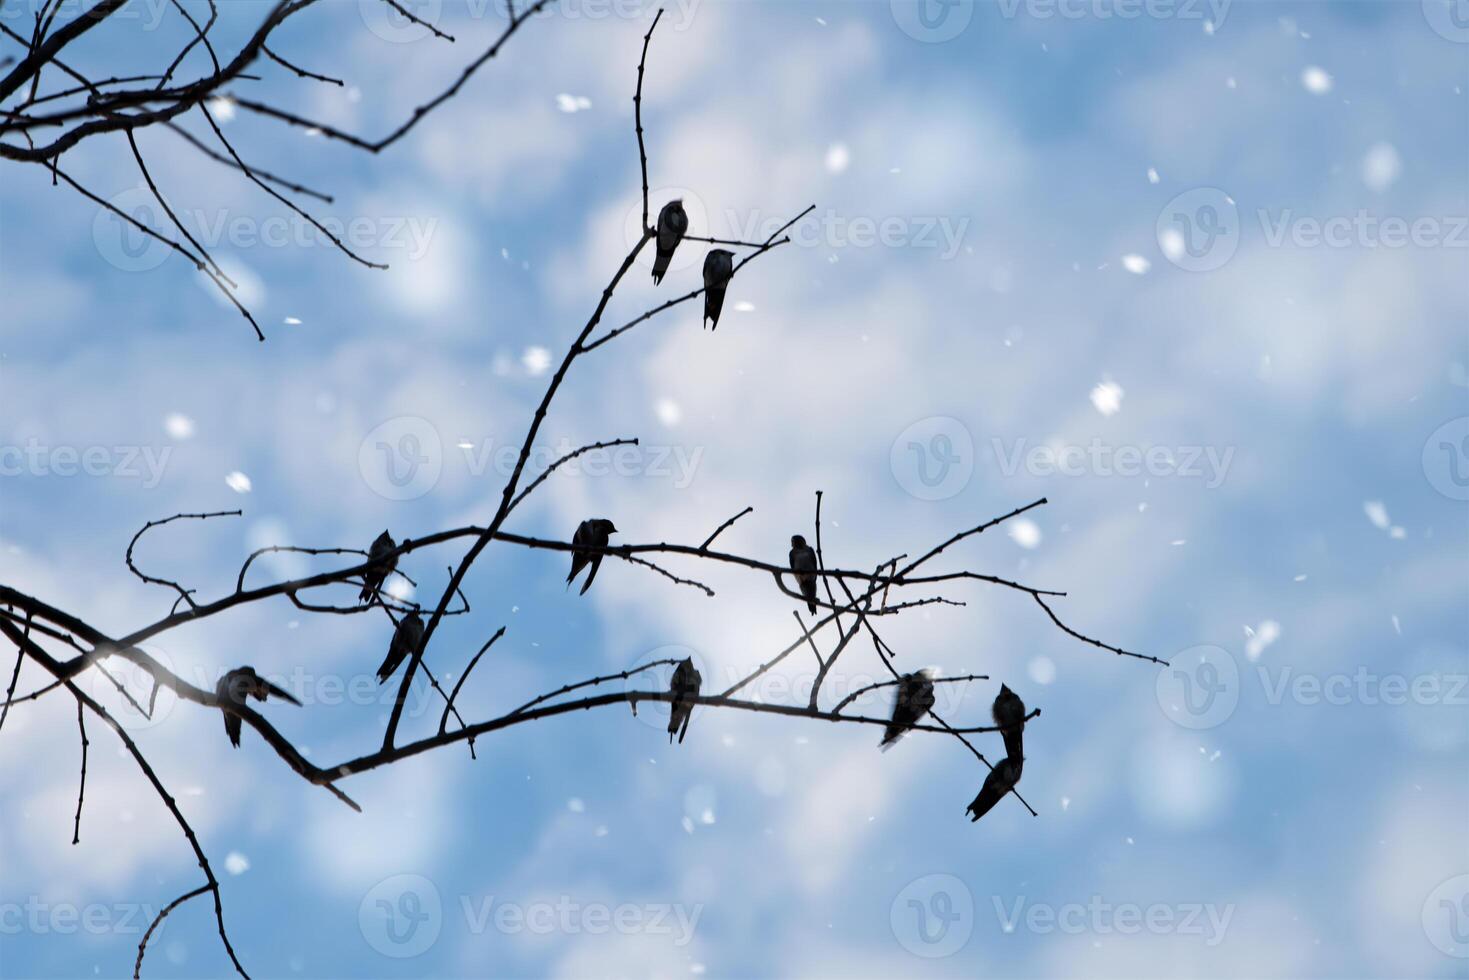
915,699
382,561
718,270
685,687
590,534
672,223
1001,780
803,560
405,640
1009,713
238,686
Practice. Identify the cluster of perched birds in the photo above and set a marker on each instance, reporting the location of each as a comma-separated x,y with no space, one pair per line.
915,698
673,223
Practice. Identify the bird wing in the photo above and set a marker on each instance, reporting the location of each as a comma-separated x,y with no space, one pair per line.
232,727
281,693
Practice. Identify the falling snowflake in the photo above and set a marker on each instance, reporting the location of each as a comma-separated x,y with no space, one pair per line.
223,109
1107,398
1152,176
1381,167
1042,670
576,805
1316,80
238,482
536,361
837,158
236,863
1136,264
669,412
178,426
1025,533
1256,640
572,103
1376,513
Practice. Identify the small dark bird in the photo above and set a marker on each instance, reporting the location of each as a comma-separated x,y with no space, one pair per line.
685,687
718,270
915,699
1001,780
383,561
1009,713
238,686
672,223
590,534
803,560
405,640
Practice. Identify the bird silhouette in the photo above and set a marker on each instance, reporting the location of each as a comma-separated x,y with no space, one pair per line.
238,686
914,700
405,640
684,688
718,270
590,534
672,223
1009,713
803,560
382,561
1001,780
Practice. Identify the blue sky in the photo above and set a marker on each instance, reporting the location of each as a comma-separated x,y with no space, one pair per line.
1194,272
